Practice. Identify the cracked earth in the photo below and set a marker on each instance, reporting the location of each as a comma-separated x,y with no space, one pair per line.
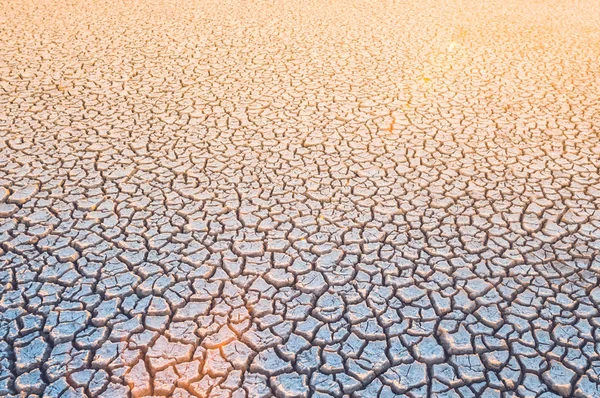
293,199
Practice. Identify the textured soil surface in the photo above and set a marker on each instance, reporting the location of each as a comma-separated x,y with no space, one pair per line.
299,198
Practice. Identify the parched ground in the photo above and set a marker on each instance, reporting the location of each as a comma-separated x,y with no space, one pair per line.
299,198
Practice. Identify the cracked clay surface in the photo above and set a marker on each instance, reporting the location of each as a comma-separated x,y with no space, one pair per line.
299,198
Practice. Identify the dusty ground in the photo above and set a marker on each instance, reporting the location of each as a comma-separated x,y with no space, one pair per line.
299,198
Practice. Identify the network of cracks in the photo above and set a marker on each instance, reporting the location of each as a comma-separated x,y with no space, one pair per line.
299,199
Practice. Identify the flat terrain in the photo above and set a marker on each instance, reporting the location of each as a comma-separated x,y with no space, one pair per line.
300,198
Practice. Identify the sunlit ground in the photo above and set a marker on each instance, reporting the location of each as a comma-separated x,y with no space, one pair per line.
299,198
